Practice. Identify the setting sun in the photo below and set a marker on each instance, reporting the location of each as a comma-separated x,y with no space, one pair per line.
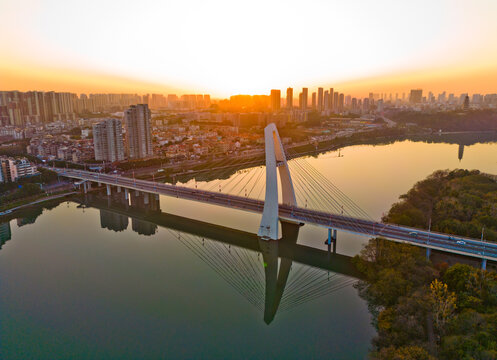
230,47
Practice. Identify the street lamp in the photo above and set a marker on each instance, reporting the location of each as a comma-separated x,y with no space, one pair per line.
482,231
429,231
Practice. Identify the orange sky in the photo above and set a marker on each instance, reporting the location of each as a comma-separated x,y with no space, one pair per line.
226,47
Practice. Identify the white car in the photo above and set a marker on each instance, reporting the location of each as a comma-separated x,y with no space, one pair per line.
460,242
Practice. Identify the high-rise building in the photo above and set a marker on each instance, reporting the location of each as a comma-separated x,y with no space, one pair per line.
207,100
465,105
348,101
275,100
305,98
326,100
331,99
416,96
365,105
108,140
138,132
289,98
320,99
341,102
477,99
379,106
158,100
335,102
313,101
172,99
354,104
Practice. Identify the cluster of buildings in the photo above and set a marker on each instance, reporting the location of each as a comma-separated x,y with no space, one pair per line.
38,107
190,141
60,147
329,101
451,101
323,100
13,169
191,126
108,139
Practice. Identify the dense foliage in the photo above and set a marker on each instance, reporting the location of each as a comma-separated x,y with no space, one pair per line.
458,202
423,311
26,187
426,311
23,191
474,120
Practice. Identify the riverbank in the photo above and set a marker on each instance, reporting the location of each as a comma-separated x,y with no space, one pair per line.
24,203
224,168
459,202
426,309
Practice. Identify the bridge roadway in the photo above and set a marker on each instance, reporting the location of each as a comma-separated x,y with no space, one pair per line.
432,240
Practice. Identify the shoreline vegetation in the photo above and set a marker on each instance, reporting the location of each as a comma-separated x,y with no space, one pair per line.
469,120
34,200
30,190
422,310
459,202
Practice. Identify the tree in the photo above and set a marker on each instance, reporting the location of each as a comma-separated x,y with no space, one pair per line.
443,304
403,353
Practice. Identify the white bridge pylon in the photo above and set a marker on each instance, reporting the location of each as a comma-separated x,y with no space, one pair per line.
275,158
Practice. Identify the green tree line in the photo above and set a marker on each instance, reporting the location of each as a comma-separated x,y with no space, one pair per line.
423,310
460,202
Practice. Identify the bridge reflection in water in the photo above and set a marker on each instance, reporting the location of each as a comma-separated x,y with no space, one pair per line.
274,276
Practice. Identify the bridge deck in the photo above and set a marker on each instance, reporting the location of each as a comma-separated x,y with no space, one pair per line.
418,237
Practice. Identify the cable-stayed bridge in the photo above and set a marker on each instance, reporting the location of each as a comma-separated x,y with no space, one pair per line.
273,276
308,198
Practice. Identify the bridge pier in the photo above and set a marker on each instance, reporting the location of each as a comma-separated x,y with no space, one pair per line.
428,253
85,188
484,264
145,198
108,190
137,193
118,189
89,185
332,239
126,193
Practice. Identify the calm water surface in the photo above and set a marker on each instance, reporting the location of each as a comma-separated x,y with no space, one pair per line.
96,284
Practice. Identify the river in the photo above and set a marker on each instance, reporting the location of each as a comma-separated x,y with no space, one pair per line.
100,282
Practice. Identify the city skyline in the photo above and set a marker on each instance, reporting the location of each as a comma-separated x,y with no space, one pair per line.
216,50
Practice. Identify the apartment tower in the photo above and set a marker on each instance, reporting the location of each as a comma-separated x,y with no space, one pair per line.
138,132
108,140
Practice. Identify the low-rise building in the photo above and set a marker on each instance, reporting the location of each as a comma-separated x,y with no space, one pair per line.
13,169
